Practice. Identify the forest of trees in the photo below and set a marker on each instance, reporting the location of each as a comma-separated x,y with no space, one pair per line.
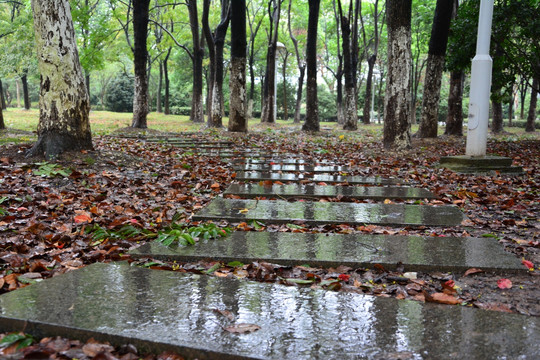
327,60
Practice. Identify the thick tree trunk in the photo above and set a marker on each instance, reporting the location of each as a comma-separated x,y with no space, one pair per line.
197,112
351,110
531,118
454,119
435,68
26,96
238,119
2,97
63,102
2,124
140,61
397,102
312,106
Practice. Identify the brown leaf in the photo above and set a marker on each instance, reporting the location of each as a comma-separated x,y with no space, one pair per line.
229,315
242,328
92,348
442,298
473,271
169,356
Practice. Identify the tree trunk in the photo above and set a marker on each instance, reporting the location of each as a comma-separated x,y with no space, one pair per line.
197,113
531,118
397,107
167,109
454,119
2,124
351,110
87,82
209,37
140,61
2,97
284,74
369,88
160,86
63,102
217,89
18,93
435,68
269,99
522,96
299,90
26,96
238,119
312,107
497,123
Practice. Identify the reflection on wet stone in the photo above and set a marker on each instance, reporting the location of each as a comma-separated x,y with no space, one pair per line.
416,253
329,213
294,168
329,179
175,312
317,191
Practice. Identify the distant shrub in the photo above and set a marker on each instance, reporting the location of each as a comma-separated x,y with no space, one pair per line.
119,97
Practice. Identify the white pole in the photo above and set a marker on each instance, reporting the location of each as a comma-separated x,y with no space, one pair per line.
480,84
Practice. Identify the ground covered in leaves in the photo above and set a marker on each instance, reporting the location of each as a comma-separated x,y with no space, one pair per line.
95,206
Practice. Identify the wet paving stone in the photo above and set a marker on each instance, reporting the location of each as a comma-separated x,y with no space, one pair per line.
294,168
327,191
164,310
329,179
317,213
415,253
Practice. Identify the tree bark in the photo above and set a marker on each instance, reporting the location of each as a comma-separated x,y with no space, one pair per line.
268,112
63,102
197,113
351,110
312,107
435,67
497,123
159,109
238,119
366,114
454,119
2,97
140,61
301,71
2,124
217,88
26,96
397,102
531,118
167,109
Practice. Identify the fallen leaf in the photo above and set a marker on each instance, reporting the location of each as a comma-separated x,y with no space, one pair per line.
473,271
229,315
442,298
82,218
242,328
528,264
243,211
504,284
344,277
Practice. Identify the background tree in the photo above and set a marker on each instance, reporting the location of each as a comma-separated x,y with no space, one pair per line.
397,111
312,109
267,112
301,68
238,100
435,67
140,61
64,103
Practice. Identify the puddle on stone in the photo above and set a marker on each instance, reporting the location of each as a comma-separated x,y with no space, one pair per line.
318,191
317,213
158,310
329,179
294,168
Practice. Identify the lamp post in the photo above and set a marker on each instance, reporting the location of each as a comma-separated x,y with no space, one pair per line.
480,85
279,47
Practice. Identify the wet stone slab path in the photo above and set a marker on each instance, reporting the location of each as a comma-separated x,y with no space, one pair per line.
415,253
326,178
327,191
164,310
318,213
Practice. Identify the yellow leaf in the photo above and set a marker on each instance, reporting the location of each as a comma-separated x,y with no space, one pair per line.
243,211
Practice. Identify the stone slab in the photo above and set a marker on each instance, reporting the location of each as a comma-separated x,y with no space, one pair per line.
329,179
169,311
480,164
281,161
318,213
324,191
416,253
294,168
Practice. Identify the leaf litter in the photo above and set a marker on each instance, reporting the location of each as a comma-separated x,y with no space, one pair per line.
44,215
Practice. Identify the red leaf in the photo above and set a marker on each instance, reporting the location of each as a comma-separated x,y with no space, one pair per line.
344,277
528,264
442,298
504,284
